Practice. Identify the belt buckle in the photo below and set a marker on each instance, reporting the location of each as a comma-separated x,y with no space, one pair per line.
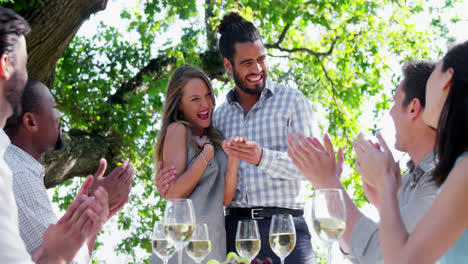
254,212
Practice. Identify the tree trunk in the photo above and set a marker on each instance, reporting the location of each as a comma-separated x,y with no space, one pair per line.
79,158
54,23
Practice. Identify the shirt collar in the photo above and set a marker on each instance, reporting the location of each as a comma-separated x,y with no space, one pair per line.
426,165
268,91
24,157
4,142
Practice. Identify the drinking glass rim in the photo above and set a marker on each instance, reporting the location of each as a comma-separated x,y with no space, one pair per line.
328,189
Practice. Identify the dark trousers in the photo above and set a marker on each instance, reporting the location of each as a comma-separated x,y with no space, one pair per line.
302,253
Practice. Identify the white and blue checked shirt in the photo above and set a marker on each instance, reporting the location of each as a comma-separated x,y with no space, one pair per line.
35,212
279,111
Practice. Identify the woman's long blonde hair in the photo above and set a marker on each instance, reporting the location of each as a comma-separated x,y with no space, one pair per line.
171,114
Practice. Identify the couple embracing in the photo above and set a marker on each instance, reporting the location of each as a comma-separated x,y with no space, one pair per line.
237,156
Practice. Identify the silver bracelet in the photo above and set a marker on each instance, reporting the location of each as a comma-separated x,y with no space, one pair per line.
203,156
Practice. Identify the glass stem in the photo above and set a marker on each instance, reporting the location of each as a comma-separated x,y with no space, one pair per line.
180,255
282,260
329,254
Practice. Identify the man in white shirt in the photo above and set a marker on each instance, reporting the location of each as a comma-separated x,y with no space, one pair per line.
63,239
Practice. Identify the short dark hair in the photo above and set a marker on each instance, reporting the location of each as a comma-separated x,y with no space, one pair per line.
452,128
12,26
29,104
234,29
415,76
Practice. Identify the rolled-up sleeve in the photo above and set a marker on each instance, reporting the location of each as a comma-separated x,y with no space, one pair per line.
413,202
364,242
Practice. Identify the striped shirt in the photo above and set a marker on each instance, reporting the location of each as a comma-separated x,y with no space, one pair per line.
35,211
279,111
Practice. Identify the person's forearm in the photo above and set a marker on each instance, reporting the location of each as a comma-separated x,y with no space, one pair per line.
91,242
41,256
393,234
230,180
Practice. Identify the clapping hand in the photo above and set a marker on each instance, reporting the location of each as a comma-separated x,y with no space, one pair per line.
377,167
316,162
118,183
83,218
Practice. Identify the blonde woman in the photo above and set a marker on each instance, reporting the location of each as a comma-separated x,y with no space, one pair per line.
193,151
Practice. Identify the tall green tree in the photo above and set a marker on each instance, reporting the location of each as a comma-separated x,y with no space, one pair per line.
111,86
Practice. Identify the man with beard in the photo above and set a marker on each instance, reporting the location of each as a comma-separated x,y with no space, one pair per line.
34,131
63,239
262,114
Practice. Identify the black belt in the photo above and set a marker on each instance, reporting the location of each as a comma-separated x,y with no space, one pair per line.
262,212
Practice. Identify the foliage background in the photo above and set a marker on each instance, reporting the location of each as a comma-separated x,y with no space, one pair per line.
343,55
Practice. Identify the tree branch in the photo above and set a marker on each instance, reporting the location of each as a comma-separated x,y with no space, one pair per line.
211,38
302,49
155,68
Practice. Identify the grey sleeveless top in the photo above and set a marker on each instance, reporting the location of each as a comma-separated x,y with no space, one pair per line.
207,198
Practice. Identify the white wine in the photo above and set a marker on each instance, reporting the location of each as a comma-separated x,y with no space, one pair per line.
163,248
248,248
329,228
282,244
198,249
179,233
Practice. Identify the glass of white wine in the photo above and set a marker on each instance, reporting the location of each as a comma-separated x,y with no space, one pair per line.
179,223
200,245
162,247
248,241
282,235
329,216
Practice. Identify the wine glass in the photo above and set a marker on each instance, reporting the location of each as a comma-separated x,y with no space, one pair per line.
329,216
179,223
163,248
200,245
248,241
282,235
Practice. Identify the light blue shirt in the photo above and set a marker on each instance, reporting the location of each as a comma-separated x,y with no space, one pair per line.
458,253
279,111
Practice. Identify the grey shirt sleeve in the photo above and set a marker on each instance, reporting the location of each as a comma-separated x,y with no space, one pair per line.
414,201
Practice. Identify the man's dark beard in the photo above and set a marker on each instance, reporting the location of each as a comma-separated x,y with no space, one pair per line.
60,144
243,86
13,91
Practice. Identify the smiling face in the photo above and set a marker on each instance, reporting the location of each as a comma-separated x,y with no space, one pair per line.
197,105
401,119
249,66
48,121
437,89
